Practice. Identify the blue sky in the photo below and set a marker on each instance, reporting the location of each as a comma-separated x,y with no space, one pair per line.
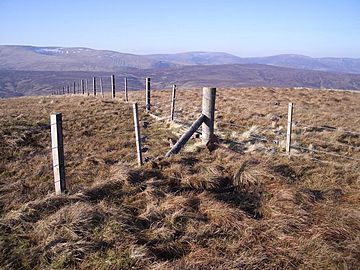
244,27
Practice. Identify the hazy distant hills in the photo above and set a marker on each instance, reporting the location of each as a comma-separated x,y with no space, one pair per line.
27,70
18,83
197,58
85,59
67,59
344,65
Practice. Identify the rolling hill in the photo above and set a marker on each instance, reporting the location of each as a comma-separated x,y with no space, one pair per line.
68,59
29,70
32,58
19,83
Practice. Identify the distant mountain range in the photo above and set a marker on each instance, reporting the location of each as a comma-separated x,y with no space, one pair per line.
22,69
85,59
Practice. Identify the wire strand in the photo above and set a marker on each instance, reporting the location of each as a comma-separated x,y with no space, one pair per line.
323,152
301,124
335,143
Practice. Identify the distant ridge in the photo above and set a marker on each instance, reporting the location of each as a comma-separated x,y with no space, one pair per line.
29,70
31,58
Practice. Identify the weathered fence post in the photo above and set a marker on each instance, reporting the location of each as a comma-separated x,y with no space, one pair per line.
74,88
57,146
87,86
94,86
113,86
289,128
147,94
126,89
101,88
208,109
173,103
186,136
68,89
137,134
82,87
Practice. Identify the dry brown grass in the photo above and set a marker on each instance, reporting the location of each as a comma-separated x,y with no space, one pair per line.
196,210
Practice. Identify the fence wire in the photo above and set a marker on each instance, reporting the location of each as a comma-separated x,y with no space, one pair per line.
163,112
323,152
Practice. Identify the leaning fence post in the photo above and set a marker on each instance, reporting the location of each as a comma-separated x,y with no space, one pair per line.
57,146
113,86
173,103
208,109
126,89
186,136
147,94
289,128
101,88
137,134
94,86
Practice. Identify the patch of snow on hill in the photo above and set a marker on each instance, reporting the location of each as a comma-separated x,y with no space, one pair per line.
49,51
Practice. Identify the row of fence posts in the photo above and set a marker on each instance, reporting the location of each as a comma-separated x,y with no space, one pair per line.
82,87
206,120
57,143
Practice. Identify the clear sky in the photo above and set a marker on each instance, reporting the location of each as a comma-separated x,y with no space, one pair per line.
242,27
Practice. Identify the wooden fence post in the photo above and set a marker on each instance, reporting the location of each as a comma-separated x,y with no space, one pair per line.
186,136
82,87
74,88
208,109
289,128
113,86
57,146
173,103
126,89
137,134
101,88
87,86
147,94
68,89
94,86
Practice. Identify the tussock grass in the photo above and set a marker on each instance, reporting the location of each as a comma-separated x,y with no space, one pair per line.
196,210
